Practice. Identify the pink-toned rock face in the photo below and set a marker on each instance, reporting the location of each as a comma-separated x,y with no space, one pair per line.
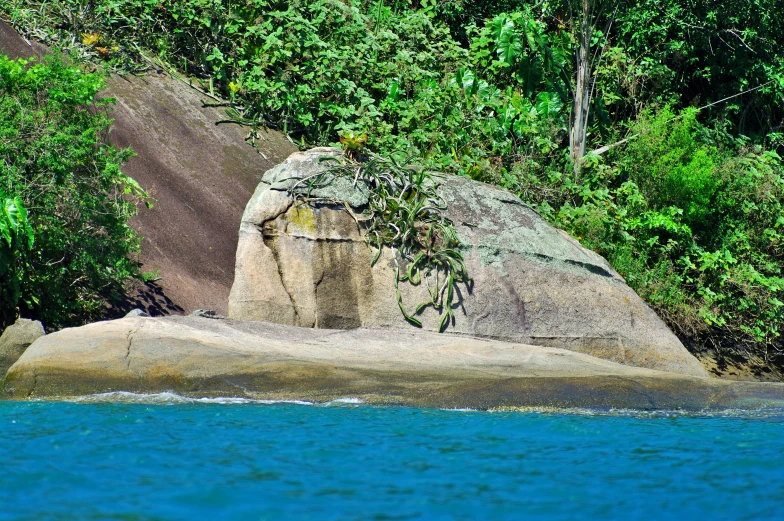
199,173
309,265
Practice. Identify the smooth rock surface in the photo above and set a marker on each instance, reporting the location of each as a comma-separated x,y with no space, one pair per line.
201,175
308,265
201,357
15,339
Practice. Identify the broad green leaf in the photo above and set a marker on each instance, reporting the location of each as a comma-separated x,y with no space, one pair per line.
548,104
465,79
530,74
13,221
5,231
508,44
520,128
497,26
393,92
487,93
12,214
532,35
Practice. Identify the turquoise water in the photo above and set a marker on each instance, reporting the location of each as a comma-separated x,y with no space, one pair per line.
176,459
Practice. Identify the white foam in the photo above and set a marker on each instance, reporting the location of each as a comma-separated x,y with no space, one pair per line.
751,413
232,401
346,401
128,397
170,398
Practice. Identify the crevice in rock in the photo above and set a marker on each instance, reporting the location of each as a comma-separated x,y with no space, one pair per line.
499,252
271,214
35,384
272,236
593,268
269,242
316,293
513,202
129,338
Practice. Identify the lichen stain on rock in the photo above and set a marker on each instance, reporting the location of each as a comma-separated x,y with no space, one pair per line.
301,220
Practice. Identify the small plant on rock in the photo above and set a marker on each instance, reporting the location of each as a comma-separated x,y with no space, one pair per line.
405,213
353,144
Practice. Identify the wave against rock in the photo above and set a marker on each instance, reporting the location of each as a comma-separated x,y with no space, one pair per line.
201,357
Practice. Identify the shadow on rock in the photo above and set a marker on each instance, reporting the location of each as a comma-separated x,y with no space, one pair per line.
148,297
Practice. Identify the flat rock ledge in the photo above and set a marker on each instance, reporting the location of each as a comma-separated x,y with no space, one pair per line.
201,357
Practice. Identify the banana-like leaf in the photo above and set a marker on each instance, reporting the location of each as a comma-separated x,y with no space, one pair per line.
13,221
465,79
394,92
532,35
5,231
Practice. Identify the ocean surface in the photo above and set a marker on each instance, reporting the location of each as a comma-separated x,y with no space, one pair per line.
162,457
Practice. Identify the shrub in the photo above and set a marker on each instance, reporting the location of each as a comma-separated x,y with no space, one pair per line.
319,69
15,236
692,218
54,160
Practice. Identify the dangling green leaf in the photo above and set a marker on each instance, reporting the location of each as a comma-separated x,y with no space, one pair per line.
444,321
465,79
530,74
532,35
408,317
5,231
394,92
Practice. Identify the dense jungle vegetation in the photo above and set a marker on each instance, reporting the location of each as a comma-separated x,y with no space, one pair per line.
648,129
65,243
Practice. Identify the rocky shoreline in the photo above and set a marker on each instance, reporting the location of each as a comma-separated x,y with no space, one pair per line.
307,265
203,357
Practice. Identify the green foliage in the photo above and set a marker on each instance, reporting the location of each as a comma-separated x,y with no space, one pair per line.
324,68
692,218
16,236
694,53
687,211
405,213
673,168
55,163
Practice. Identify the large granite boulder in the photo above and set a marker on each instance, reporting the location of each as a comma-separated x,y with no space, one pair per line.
15,339
309,265
202,357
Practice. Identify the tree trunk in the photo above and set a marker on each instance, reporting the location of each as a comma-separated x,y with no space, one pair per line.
582,91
